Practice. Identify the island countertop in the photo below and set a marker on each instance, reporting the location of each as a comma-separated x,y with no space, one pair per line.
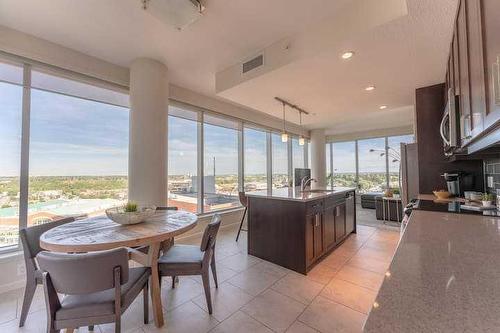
444,277
294,193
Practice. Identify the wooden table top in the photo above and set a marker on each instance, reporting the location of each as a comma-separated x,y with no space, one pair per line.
100,233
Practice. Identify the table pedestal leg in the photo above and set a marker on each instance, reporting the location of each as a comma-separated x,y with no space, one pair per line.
154,251
151,260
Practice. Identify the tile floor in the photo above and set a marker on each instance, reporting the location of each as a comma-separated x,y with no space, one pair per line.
255,295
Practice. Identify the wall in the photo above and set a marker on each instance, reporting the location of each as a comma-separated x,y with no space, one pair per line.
492,169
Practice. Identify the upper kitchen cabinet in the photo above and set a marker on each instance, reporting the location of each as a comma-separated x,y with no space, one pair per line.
476,66
473,71
463,64
491,44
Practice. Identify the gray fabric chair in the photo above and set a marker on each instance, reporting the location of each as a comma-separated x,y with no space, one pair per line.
30,240
98,288
193,260
166,244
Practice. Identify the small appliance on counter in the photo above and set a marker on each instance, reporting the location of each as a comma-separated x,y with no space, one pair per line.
458,182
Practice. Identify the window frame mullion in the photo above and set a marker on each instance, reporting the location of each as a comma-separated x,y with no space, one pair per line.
25,148
200,167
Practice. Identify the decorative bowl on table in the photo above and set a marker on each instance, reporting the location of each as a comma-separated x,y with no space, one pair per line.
442,194
122,216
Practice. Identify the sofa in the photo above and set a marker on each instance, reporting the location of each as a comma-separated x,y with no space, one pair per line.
368,199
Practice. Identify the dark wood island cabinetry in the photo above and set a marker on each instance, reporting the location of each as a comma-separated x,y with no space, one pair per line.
296,229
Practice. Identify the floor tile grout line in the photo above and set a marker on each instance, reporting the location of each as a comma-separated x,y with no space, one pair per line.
248,314
319,293
322,289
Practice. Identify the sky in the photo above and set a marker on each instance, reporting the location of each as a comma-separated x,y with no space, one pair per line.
68,135
73,136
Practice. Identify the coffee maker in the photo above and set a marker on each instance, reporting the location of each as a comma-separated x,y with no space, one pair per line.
458,182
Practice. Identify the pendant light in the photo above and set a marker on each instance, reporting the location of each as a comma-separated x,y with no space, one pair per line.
284,134
302,141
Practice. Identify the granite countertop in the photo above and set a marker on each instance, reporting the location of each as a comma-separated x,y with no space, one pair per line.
444,277
294,193
432,197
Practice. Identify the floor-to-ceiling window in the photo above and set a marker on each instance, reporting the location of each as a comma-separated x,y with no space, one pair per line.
11,96
220,156
372,165
78,159
183,127
344,163
280,176
394,153
255,154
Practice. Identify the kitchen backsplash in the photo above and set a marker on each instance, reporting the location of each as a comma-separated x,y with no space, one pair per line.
492,174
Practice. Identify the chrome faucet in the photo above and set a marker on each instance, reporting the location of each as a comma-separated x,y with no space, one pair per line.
304,182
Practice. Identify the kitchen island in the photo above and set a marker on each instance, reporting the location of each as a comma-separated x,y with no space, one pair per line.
296,229
443,277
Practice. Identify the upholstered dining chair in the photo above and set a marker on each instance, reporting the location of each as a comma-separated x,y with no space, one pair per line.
244,202
193,260
30,240
166,244
98,288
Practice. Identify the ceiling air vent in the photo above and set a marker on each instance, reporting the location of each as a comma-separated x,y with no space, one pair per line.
253,63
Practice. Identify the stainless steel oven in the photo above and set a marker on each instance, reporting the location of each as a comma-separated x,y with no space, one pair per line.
450,124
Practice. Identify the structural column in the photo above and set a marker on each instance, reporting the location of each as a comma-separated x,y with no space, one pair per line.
148,132
318,158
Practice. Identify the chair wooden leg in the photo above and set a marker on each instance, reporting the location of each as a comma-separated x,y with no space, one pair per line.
206,285
214,272
145,293
241,223
29,292
173,282
118,324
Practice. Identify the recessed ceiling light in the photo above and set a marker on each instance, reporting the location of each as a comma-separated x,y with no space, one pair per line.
347,55
370,88
382,107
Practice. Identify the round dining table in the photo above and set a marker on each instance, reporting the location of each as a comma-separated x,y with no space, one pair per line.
100,233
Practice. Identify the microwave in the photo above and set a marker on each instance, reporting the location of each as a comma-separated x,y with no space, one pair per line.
450,124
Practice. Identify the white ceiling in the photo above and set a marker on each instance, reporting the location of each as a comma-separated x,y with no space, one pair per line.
397,57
